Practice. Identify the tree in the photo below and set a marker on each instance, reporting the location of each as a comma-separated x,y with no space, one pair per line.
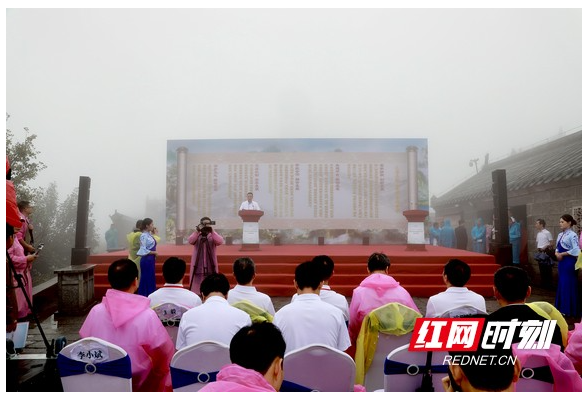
55,226
54,221
23,162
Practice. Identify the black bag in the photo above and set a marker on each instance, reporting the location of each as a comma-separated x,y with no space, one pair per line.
543,258
550,251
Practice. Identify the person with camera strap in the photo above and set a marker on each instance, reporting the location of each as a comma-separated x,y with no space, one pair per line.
203,261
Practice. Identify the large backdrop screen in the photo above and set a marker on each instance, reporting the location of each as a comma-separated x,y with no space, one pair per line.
340,188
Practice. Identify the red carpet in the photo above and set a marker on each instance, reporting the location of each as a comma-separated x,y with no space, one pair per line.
417,271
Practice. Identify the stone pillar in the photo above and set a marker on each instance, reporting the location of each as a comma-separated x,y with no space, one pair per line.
75,285
79,254
181,195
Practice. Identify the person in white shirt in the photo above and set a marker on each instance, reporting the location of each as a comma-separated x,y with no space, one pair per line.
173,291
308,319
244,272
214,320
457,297
544,241
327,267
249,204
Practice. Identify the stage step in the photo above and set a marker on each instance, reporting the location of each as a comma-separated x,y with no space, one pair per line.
418,272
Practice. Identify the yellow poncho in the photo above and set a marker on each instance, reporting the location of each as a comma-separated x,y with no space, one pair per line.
391,319
256,313
548,311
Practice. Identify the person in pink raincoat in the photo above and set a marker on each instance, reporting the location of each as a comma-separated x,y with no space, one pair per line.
203,261
374,291
565,376
22,265
574,348
257,356
125,319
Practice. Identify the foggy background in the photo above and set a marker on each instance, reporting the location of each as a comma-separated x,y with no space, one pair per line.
104,89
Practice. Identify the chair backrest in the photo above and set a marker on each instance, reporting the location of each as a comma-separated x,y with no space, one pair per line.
319,368
548,310
535,376
170,315
94,365
403,370
194,366
393,322
374,376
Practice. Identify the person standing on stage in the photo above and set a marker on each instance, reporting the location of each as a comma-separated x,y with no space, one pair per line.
147,252
249,204
203,262
514,236
461,236
479,236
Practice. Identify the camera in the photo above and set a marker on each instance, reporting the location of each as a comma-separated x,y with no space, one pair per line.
205,224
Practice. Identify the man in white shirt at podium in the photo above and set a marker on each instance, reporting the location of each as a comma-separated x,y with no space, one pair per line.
249,204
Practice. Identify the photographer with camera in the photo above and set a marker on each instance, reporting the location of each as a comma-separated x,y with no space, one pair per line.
203,262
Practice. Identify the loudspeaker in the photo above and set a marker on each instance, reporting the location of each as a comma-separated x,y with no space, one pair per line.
500,203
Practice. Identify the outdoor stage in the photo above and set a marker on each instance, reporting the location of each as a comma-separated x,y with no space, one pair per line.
417,271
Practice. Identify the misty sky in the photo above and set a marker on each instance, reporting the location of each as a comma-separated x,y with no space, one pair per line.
104,89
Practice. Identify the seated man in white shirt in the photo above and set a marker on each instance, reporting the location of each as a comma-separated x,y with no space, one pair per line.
327,268
249,204
173,291
456,274
308,319
244,272
214,320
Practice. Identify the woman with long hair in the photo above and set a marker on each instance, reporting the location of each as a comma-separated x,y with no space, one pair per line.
147,251
567,297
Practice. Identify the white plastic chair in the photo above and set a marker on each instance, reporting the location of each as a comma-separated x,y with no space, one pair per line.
170,315
318,368
403,371
94,365
374,377
194,366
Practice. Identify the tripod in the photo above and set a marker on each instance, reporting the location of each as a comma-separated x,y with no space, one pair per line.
20,284
204,246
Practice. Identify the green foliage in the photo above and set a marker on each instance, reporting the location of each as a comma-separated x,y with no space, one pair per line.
23,162
55,226
54,222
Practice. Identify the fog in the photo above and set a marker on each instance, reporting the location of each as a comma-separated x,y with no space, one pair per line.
104,89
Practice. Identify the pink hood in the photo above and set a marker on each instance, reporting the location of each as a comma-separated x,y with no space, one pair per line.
381,283
123,306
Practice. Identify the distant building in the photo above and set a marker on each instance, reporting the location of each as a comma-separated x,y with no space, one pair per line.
123,224
542,182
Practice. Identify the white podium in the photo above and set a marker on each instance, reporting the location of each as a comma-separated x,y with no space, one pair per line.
250,229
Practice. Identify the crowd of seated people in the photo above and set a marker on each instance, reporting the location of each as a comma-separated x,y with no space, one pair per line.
316,314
